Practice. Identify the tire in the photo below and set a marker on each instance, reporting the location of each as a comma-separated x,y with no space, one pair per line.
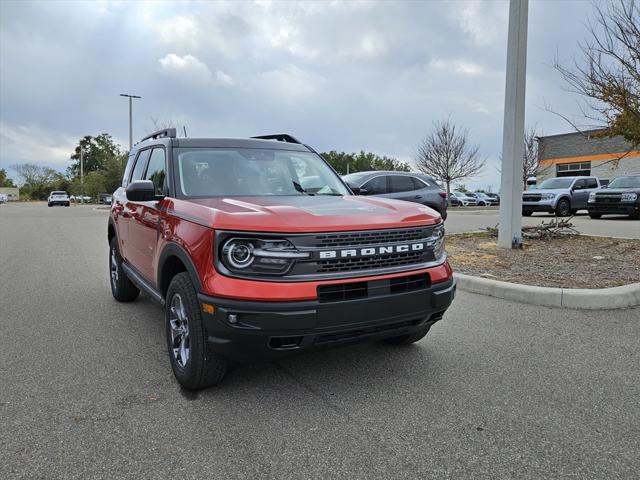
635,216
122,288
409,338
563,208
527,213
49,205
67,204
595,216
194,365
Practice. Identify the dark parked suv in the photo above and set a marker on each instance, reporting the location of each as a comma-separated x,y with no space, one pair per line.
620,196
409,186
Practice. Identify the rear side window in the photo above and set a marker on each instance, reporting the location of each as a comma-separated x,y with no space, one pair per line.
401,184
591,183
376,186
156,171
141,162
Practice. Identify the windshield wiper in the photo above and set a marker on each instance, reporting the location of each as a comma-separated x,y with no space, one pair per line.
299,188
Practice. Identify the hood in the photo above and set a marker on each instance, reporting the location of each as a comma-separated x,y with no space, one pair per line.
555,191
303,213
619,190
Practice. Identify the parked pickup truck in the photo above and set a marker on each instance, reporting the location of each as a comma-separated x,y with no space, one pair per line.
563,196
256,248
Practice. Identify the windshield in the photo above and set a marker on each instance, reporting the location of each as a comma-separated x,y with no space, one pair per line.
210,172
554,183
58,193
355,178
625,182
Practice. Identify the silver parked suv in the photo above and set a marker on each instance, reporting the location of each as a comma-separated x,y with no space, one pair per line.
410,186
563,196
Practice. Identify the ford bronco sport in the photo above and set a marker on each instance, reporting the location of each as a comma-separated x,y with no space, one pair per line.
256,248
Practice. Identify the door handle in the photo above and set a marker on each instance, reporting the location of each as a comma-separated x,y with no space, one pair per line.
417,197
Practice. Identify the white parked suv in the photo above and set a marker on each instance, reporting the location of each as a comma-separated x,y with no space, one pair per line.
58,198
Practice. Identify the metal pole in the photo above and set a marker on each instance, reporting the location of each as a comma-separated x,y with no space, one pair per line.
131,97
81,175
510,229
130,123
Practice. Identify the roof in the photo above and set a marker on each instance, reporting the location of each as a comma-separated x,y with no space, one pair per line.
224,143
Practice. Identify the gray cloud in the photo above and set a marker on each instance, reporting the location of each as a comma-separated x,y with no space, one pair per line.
344,76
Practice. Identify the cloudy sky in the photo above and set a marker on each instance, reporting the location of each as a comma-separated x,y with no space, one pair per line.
341,76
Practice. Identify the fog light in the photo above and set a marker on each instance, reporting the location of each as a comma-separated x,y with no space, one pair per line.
232,318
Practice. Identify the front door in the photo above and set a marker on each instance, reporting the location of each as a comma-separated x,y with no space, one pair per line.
144,229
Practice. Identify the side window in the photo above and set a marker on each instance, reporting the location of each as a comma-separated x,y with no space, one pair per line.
127,170
418,183
591,183
579,184
156,171
401,184
141,162
376,186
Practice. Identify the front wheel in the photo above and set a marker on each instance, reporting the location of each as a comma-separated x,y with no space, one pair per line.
193,364
563,208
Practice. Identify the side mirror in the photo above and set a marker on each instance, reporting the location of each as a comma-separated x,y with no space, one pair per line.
355,189
142,191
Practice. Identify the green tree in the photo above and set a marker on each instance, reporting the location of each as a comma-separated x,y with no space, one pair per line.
94,184
4,180
97,152
363,161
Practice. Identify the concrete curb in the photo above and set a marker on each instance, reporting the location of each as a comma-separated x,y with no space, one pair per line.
575,298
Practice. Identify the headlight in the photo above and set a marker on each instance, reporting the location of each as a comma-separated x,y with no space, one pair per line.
259,256
629,197
592,197
548,196
437,240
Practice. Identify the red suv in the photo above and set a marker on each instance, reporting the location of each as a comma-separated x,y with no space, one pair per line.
256,249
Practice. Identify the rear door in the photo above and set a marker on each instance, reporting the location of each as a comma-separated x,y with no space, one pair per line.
591,185
404,187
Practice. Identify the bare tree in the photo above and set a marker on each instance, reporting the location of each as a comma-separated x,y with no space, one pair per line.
531,152
447,154
608,72
34,175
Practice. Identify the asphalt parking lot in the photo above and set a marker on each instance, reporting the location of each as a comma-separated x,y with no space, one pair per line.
496,390
467,219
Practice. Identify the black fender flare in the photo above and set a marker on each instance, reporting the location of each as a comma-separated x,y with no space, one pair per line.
175,250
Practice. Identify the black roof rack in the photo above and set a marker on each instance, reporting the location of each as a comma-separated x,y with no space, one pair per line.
166,133
281,137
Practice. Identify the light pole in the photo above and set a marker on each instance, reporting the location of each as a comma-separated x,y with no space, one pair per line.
131,97
81,175
510,229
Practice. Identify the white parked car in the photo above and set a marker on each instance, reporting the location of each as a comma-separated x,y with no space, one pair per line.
3,198
464,199
58,198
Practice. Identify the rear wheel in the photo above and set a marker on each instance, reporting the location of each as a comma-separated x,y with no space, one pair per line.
563,208
192,362
122,288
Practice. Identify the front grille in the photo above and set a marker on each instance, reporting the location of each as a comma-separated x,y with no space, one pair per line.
342,291
348,239
367,263
531,198
608,198
409,283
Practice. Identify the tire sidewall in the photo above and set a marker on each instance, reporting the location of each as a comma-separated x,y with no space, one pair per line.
563,212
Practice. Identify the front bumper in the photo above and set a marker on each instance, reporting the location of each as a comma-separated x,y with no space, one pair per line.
541,206
273,329
614,208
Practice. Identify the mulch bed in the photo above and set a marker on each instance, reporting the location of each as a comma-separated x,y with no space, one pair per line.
571,261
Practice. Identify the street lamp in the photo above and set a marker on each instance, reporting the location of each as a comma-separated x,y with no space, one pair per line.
510,229
131,97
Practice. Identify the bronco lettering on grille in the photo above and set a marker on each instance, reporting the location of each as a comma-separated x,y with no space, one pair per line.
370,251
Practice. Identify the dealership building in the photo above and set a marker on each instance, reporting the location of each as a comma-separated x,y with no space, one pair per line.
585,154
